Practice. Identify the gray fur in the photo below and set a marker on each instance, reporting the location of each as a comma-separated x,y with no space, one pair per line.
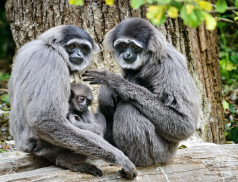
39,92
154,106
86,120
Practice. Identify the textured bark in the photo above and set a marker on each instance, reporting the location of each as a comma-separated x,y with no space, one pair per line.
21,162
30,18
201,163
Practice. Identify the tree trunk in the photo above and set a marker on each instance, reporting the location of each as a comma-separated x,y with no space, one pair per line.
30,18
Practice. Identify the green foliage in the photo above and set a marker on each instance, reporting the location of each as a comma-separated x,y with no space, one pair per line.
5,98
1,150
191,17
193,12
6,40
236,3
228,60
221,6
232,134
228,55
4,76
137,3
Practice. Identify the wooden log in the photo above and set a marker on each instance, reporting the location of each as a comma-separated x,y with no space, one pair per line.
201,163
19,162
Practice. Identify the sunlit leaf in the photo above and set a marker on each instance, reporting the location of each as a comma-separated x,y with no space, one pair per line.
156,14
236,18
109,2
189,8
225,104
172,12
221,6
76,2
211,23
152,10
137,3
227,65
205,5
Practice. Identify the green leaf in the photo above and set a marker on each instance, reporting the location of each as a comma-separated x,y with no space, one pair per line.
136,4
109,2
163,2
76,2
5,98
200,17
211,22
225,104
236,3
172,12
194,18
221,6
236,18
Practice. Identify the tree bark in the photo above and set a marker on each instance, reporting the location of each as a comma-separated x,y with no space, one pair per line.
201,163
29,19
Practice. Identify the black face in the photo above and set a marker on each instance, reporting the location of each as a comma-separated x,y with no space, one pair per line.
82,103
77,52
129,51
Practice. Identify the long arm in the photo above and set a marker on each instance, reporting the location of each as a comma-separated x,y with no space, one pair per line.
172,123
66,135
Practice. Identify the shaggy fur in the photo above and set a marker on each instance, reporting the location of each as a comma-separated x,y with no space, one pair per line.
155,105
39,92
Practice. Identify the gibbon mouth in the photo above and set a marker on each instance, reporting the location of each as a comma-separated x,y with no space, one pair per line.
77,61
132,60
82,108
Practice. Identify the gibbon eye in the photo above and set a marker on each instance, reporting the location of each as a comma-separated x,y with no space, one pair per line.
83,48
88,102
81,99
135,47
72,46
124,45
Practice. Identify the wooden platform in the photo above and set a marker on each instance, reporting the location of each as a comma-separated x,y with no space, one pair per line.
200,163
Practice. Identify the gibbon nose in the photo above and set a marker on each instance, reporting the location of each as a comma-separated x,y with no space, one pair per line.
127,55
80,55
